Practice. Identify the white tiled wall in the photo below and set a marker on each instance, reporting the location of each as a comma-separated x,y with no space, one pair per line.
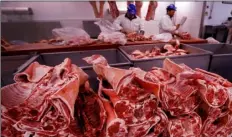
72,13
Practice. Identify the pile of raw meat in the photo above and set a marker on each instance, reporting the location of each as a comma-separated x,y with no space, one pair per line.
50,41
75,41
79,41
51,101
171,101
137,37
167,50
185,35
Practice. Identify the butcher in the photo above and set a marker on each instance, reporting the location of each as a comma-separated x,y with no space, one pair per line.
130,22
167,24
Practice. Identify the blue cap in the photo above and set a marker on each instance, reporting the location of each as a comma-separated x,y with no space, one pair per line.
171,7
131,9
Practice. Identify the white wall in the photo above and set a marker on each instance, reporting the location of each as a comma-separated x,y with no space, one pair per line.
72,13
220,13
193,11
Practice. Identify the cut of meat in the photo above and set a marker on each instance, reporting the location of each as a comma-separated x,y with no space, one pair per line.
132,98
179,99
138,5
185,35
116,77
157,75
212,78
115,127
113,9
96,59
214,89
123,108
94,6
137,37
166,50
7,129
90,110
80,41
213,95
172,67
185,126
215,121
14,94
143,129
34,73
161,125
46,109
101,8
164,102
98,14
151,10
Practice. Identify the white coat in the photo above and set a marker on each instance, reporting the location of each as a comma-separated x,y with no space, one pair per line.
127,25
167,25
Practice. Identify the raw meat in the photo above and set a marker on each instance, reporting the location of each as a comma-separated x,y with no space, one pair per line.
33,74
90,112
185,126
95,10
98,14
185,35
46,108
216,121
113,9
115,127
78,41
167,50
179,97
151,10
175,100
101,8
51,41
138,5
137,37
214,109
132,98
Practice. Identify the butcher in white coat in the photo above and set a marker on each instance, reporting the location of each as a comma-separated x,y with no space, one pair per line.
129,22
166,24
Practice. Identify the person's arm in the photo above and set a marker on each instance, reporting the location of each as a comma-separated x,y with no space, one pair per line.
117,23
167,27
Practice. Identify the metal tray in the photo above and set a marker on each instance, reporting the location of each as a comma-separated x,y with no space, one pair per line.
114,57
10,65
197,58
221,60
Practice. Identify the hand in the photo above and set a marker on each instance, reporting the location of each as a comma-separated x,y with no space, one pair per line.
177,26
